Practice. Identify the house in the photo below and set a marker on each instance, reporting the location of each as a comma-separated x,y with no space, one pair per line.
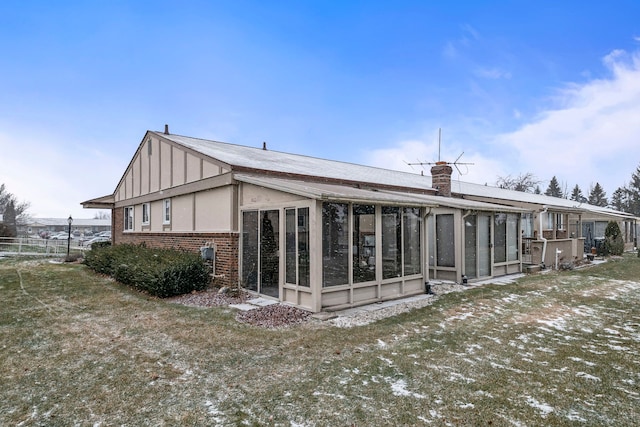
316,233
80,226
555,225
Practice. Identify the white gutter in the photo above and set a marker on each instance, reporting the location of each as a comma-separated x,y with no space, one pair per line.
541,236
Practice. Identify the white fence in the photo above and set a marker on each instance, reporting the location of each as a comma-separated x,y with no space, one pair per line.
25,246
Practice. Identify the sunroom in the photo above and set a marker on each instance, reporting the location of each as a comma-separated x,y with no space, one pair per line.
326,246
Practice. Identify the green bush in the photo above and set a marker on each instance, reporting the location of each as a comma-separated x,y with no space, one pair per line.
159,272
613,244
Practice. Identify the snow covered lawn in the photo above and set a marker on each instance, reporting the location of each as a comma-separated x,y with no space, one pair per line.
555,349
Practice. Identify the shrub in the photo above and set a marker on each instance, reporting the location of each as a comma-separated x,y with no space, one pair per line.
159,272
613,244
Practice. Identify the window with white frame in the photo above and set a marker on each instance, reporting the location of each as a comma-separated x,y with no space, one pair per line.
548,221
128,218
559,221
166,218
145,213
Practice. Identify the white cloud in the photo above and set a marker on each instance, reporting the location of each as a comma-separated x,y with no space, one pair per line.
472,167
593,137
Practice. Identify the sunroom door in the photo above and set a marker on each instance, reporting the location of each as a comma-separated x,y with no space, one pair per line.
261,252
477,259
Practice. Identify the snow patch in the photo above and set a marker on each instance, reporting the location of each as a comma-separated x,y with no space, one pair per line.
544,408
587,376
399,388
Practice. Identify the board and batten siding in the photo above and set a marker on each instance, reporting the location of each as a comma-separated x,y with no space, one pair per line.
159,165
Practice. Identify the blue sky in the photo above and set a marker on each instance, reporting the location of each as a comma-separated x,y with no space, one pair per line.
547,87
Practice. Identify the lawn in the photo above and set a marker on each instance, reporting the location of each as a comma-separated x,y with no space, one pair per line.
556,349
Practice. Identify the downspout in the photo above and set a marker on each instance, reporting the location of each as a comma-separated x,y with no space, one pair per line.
425,260
541,235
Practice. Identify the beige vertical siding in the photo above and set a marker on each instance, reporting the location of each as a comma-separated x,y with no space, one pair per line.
182,213
166,166
214,210
194,168
178,166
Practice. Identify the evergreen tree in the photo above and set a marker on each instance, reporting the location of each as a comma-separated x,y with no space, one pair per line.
19,209
633,194
537,190
620,199
577,195
597,196
554,189
9,219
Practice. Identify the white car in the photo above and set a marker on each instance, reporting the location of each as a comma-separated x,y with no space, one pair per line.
89,242
61,236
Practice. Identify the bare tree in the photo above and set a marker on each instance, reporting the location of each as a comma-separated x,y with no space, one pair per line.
101,215
526,182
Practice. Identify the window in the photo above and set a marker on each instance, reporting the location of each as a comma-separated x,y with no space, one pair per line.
128,218
145,214
250,250
297,246
549,224
445,245
400,242
167,211
411,230
559,222
364,243
391,242
335,244
527,225
505,238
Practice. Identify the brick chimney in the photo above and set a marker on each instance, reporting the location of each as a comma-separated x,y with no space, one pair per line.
441,178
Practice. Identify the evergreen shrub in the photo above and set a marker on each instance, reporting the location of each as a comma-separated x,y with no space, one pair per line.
159,272
613,244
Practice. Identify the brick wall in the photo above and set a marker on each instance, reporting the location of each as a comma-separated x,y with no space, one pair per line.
226,245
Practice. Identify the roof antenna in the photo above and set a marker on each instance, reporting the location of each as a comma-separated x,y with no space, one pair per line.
440,162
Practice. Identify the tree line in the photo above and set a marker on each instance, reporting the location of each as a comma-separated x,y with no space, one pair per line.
14,213
624,199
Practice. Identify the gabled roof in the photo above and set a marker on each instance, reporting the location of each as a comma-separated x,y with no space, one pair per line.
242,158
104,202
497,194
336,179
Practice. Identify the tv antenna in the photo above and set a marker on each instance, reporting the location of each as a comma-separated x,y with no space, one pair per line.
455,163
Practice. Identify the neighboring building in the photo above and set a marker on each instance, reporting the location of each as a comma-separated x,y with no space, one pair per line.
323,234
79,226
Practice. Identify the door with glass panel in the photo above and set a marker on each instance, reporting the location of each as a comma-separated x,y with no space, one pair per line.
261,251
477,236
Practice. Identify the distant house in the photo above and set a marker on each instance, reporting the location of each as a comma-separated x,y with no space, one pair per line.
323,234
79,226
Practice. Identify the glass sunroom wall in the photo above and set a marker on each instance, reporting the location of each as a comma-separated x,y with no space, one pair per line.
364,243
391,242
335,244
250,250
412,238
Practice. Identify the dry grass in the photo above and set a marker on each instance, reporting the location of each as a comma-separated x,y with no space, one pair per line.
557,349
